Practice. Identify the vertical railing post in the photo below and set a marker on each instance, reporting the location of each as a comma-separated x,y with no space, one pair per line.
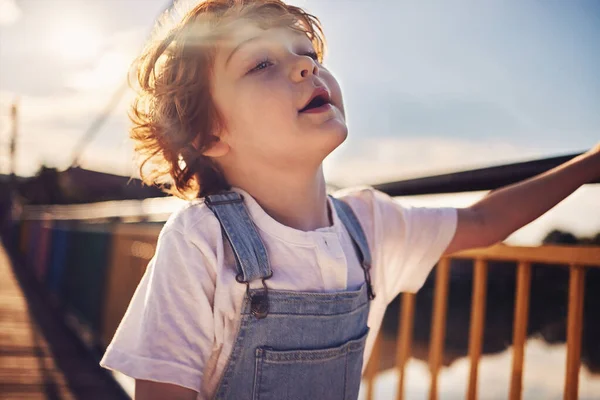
373,367
520,329
574,328
438,325
405,330
477,323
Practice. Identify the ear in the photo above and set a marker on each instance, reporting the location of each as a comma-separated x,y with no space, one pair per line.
218,149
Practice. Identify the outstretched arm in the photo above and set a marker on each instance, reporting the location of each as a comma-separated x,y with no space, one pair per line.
150,390
505,210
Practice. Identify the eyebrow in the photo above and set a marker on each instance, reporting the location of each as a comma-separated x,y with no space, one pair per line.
238,47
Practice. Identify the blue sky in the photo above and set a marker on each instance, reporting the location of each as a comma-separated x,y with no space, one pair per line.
429,86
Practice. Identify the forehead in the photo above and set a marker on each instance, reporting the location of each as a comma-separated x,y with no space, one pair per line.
243,31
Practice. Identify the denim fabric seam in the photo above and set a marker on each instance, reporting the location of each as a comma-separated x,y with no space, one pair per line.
249,270
257,373
311,301
259,249
324,296
231,241
223,386
357,229
282,314
242,258
262,248
316,355
324,301
346,376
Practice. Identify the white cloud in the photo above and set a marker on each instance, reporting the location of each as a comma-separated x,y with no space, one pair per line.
112,66
9,12
543,378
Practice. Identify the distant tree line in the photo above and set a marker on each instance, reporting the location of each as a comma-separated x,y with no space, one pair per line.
78,185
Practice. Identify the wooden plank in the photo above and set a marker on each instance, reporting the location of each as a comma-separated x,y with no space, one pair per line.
477,323
405,339
574,328
39,357
438,324
551,254
520,329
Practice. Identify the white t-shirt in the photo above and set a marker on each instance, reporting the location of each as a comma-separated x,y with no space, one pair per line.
182,320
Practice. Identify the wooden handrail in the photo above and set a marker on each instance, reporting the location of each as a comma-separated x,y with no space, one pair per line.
550,254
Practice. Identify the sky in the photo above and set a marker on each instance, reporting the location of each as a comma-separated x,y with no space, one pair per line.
429,87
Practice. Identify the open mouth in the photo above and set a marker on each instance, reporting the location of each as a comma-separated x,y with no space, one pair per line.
319,100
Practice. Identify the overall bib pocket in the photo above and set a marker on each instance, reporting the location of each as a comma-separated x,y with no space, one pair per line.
309,374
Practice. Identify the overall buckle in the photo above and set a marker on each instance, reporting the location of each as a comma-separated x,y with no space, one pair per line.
259,301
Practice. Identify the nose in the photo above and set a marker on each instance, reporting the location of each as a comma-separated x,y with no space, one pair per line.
303,68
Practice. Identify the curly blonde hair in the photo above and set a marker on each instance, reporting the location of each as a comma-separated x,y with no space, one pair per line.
174,110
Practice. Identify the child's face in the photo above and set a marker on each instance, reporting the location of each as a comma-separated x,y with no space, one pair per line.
261,80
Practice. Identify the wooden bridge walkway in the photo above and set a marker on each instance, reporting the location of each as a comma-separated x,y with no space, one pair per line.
40,358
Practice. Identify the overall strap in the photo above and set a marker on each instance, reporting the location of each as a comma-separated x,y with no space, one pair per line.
359,239
249,250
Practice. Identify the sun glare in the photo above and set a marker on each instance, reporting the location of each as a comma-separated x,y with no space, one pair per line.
75,41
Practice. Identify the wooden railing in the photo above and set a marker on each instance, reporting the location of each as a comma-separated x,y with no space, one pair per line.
577,258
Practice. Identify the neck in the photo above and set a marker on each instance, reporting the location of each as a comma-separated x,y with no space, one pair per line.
295,202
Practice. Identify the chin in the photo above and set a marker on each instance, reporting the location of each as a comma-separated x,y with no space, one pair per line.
341,129
335,137
335,125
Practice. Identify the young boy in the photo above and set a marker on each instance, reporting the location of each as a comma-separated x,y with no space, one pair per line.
264,286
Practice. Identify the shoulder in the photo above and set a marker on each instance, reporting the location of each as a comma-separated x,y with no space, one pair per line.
188,215
394,224
366,199
368,202
360,198
195,224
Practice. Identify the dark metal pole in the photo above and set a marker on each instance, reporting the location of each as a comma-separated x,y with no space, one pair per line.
478,179
14,117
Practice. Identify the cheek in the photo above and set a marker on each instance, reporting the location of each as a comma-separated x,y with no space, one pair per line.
334,87
266,101
258,111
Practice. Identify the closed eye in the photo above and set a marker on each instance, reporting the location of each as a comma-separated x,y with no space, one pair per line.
265,63
312,55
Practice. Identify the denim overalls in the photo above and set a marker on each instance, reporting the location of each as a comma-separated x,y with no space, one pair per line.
291,345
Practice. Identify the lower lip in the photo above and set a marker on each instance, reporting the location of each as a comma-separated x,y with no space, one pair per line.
323,108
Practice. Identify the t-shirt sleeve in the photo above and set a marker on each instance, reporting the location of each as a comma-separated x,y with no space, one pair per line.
167,332
410,241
